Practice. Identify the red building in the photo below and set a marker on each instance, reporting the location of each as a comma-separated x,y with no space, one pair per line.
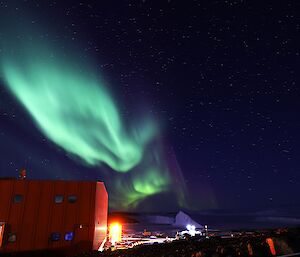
36,214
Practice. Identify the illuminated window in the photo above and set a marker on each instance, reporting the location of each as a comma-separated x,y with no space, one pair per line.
58,198
12,237
18,198
69,236
55,236
72,198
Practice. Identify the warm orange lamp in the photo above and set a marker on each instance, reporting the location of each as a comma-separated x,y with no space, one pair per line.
115,232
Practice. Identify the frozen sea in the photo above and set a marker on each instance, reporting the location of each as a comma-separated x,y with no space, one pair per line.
216,220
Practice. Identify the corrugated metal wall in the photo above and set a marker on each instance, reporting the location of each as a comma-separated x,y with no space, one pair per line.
37,215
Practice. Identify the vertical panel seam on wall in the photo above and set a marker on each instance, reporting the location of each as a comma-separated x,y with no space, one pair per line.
21,216
95,215
33,240
63,218
11,202
79,188
92,233
49,220
89,211
12,189
90,206
76,210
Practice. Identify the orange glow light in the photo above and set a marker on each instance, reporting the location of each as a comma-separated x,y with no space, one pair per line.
271,245
115,232
1,233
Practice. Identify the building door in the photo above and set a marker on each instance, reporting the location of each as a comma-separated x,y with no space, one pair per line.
82,239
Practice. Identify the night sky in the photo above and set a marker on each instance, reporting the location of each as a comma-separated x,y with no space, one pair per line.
218,78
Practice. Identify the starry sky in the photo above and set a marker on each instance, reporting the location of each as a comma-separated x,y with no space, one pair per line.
219,77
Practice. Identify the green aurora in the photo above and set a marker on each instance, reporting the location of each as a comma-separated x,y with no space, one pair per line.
74,109
76,112
135,188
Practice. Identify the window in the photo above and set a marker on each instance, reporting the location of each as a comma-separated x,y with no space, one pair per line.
72,198
69,236
58,198
18,198
55,236
12,237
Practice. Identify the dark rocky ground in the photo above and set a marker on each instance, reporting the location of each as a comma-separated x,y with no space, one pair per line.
286,241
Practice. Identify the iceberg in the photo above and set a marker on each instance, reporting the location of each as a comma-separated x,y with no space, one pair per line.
182,220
